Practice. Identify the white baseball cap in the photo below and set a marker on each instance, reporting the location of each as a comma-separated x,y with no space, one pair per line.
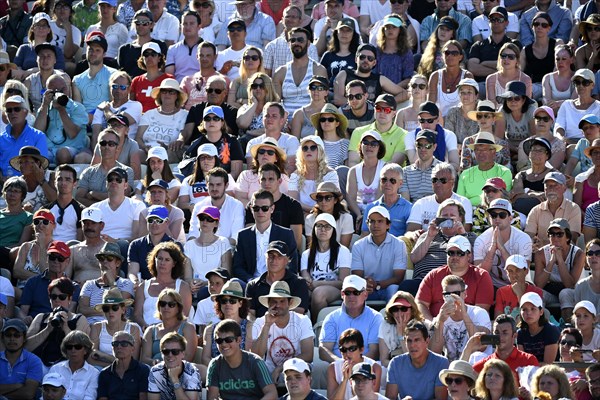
91,214
354,282
459,241
518,261
158,152
326,218
53,379
533,298
296,364
588,305
380,210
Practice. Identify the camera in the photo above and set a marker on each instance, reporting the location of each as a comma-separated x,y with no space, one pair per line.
61,98
57,320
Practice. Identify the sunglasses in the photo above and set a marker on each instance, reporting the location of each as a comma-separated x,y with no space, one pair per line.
255,86
427,146
102,257
40,221
489,190
397,1
393,181
223,301
577,82
427,120
150,54
327,119
251,58
10,110
114,307
260,208
121,343
454,53
501,214
364,56
557,234
323,227
217,91
312,147
511,57
443,181
122,87
327,197
73,346
484,116
385,110
514,98
171,304
545,25
317,88
372,143
236,29
421,86
449,381
56,257
168,91
569,343
353,292
350,349
228,339
591,253
457,253
400,308
117,179
61,296
203,5
358,96
268,152
153,221
545,119
206,218
297,39
142,23
593,29
208,118
109,143
167,352
497,20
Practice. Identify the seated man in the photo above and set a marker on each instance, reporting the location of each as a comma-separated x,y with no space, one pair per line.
358,110
561,17
205,315
280,335
590,126
84,265
457,321
380,257
418,174
298,381
236,373
53,386
479,289
591,221
66,210
508,297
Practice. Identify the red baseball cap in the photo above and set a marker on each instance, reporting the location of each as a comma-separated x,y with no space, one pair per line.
60,248
44,214
496,183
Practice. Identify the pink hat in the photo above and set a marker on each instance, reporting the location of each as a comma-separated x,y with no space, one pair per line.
211,211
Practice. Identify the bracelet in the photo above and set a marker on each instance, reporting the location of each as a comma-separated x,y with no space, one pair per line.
548,272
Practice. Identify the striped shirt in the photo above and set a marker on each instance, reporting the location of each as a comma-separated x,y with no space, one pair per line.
417,182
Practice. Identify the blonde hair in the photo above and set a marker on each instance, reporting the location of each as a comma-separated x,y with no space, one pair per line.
322,170
512,47
243,71
564,388
271,95
509,387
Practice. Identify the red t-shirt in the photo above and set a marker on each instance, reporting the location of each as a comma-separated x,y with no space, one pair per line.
515,360
142,88
479,287
506,299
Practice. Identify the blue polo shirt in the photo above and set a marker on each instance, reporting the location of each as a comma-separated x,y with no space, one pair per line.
93,90
399,213
28,366
9,146
139,250
35,294
57,137
134,382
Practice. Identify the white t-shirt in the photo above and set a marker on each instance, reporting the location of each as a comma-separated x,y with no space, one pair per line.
205,313
425,209
232,217
455,332
284,343
162,128
60,35
321,270
310,186
118,224
233,55
375,10
166,28
287,142
206,258
593,345
199,191
131,107
568,118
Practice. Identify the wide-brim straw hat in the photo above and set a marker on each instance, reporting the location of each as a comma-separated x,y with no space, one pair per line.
458,367
280,289
170,83
594,146
28,151
591,20
113,296
231,288
329,108
327,187
484,106
485,138
271,143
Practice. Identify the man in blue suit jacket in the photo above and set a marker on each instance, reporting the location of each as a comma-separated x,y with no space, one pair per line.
249,260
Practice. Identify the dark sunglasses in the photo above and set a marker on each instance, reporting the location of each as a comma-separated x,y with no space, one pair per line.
421,86
400,308
117,179
591,253
397,1
497,20
514,98
41,221
545,119
454,53
350,349
427,120
255,86
327,119
443,181
121,343
317,88
313,147
102,257
393,181
230,300
353,292
484,116
327,197
150,53
171,304
297,39
592,28
251,58
489,190
236,28
208,118
142,23
511,57
501,214
109,143
217,91
260,208
546,25
203,5
385,110
427,146
449,381
122,87
153,221
205,218
266,151
56,257
358,96
364,56
456,292
175,352
114,307
73,346
569,343
10,110
557,234
372,143
452,253
580,82
61,296
228,339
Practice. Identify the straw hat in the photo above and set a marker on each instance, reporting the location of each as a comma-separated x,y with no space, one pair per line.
170,83
327,187
329,108
28,151
280,289
458,367
231,288
485,138
271,143
484,106
113,296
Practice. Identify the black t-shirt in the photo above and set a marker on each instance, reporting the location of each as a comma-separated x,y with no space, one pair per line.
488,50
373,83
228,147
129,54
334,64
287,212
195,117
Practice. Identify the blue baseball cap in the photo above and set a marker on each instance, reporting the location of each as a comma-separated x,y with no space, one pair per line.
160,183
112,3
3,299
218,111
158,212
590,119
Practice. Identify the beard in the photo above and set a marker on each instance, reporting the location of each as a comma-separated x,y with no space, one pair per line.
364,70
300,53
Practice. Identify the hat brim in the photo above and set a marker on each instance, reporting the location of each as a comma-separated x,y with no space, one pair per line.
126,302
180,93
528,144
254,150
314,195
583,26
213,297
472,115
15,162
445,372
294,303
110,253
314,119
588,151
506,95
496,146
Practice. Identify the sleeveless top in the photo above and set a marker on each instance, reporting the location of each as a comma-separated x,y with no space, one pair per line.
501,89
336,152
536,68
339,376
295,96
589,195
569,259
372,82
29,266
214,351
536,186
557,94
446,100
366,193
49,350
156,354
150,302
307,126
105,338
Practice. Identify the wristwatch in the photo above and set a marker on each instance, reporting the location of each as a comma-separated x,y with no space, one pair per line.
378,287
177,385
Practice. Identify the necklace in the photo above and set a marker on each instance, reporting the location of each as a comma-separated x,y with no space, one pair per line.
453,83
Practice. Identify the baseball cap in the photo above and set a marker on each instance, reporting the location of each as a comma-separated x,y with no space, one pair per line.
374,134
556,177
59,247
160,183
518,261
16,324
585,74
428,135
280,247
499,10
218,111
588,305
15,99
461,242
237,21
363,369
430,108
117,171
354,282
97,37
158,152
3,299
590,119
326,218
501,204
380,210
112,3
345,22
559,223
53,379
120,118
547,110
151,46
44,214
222,272
296,364
158,212
533,298
211,211
496,183
91,214
387,99
45,46
208,149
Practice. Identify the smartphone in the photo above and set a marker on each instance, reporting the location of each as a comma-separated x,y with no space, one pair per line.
487,340
584,350
444,222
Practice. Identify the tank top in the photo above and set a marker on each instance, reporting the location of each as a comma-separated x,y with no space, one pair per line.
536,68
366,193
446,100
501,89
214,351
589,195
150,303
295,96
536,186
29,266
339,376
557,94
49,350
105,338
307,126
569,259
156,354
372,82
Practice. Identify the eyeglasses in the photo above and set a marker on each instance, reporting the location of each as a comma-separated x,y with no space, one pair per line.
10,110
228,339
591,253
546,25
236,28
167,352
443,181
317,88
109,143
453,53
266,151
171,304
489,190
421,86
458,381
121,343
122,87
102,257
397,1
385,110
230,300
484,116
56,257
251,58
497,20
117,179
255,86
364,56
324,227
593,28
400,308
168,91
297,39
569,343
514,98
385,180
208,118
40,221
153,221
427,146
150,54
327,197
511,57
557,234
260,208
427,120
353,292
205,218
114,307
350,349
580,82
372,143
217,91
203,5
358,96
327,119
457,253
312,147
142,23
61,296
545,119
15,335
501,214
73,346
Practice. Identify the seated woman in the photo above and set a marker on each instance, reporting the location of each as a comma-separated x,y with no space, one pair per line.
544,121
586,56
171,318
496,382
406,118
460,379
157,197
329,200
552,380
251,63
457,118
537,59
351,345
432,54
318,90
585,191
509,296
557,86
558,265
584,319
536,335
341,50
153,62
509,70
330,125
34,168
114,307
325,264
395,59
15,222
157,167
26,57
